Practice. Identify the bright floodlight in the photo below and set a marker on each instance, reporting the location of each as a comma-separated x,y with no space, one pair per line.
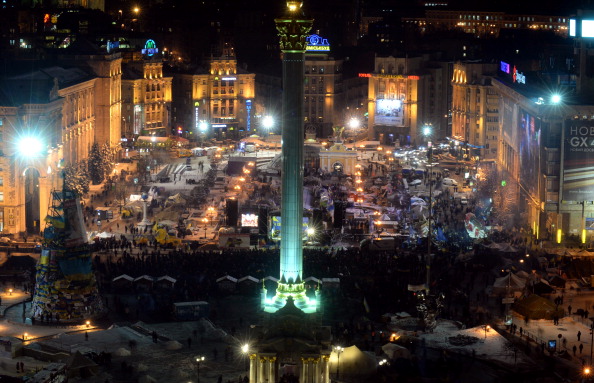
556,98
310,231
202,126
30,146
245,348
427,130
267,122
354,123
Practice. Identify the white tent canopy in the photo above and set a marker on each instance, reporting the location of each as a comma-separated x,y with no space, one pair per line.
510,281
395,351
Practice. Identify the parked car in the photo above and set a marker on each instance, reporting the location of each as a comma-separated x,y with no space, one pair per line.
450,182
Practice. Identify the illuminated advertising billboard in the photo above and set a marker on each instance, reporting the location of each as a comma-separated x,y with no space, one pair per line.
529,135
389,112
578,161
249,220
587,28
508,121
275,228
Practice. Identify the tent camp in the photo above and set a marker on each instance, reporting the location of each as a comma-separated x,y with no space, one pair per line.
354,362
536,307
510,282
80,365
176,199
395,351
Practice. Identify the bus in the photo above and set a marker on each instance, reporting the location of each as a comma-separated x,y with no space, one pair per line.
184,153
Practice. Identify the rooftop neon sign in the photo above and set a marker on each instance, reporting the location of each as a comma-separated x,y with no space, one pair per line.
150,48
315,43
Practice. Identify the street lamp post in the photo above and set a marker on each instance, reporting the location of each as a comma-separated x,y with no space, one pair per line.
199,359
427,133
245,349
591,341
205,220
338,350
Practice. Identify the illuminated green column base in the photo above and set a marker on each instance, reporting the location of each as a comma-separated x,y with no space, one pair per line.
293,290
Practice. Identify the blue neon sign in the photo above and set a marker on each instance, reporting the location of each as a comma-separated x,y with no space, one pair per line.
315,43
150,48
248,108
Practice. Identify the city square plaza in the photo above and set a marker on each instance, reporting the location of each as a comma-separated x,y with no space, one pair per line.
172,348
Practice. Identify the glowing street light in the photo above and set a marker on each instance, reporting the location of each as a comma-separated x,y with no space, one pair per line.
245,349
199,359
354,123
267,122
30,146
338,350
202,126
311,231
556,98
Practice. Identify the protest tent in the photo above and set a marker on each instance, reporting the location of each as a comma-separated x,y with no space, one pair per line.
537,307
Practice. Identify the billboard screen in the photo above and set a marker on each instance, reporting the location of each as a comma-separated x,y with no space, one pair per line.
249,220
508,120
578,157
529,132
275,227
389,112
587,28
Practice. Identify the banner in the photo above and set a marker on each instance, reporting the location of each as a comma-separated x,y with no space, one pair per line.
578,166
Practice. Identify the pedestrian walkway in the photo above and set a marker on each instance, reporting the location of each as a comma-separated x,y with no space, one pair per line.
10,297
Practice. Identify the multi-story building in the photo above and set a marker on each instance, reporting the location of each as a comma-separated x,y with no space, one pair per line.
405,94
54,105
65,109
223,99
486,24
324,93
146,98
475,109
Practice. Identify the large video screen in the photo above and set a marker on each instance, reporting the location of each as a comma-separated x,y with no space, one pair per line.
529,132
275,227
389,112
249,220
578,165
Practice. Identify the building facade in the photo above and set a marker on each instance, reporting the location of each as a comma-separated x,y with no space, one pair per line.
487,24
324,94
220,103
146,99
66,109
475,109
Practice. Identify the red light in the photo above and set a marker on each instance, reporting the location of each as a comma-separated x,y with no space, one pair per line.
364,74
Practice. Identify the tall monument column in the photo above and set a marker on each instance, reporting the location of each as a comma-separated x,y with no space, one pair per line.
293,29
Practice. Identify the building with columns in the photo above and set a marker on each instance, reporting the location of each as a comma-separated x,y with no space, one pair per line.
405,94
146,98
307,357
224,99
475,109
66,107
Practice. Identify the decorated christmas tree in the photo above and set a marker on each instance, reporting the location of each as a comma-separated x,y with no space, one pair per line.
65,285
